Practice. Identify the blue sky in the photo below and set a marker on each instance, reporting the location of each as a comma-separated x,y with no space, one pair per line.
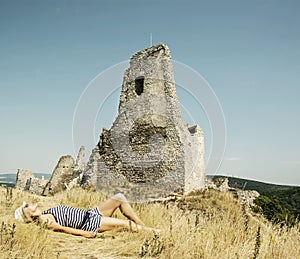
248,51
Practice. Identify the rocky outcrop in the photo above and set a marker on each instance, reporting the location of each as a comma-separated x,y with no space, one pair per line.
66,175
61,176
247,196
79,168
148,152
80,163
222,184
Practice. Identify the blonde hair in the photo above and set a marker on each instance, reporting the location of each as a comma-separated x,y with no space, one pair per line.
21,214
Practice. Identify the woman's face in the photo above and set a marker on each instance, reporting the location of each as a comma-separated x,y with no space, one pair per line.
32,209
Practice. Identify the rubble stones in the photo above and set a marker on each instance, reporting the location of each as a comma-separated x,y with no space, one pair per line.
247,197
222,184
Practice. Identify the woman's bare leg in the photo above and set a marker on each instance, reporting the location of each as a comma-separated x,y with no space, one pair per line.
108,223
108,207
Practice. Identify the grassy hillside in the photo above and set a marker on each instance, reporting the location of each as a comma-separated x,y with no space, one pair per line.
204,225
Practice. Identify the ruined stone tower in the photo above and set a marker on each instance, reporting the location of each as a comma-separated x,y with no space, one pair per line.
148,152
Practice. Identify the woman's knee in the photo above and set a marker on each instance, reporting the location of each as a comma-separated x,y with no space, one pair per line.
119,197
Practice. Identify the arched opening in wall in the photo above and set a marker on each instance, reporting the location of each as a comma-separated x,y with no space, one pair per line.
139,85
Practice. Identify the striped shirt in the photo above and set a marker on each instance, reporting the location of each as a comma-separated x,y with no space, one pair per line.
88,220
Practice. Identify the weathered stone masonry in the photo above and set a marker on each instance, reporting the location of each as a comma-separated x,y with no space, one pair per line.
148,152
65,175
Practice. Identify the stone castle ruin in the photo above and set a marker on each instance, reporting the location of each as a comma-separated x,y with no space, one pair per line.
66,174
148,152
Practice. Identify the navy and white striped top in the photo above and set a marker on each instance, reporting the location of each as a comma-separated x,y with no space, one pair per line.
88,220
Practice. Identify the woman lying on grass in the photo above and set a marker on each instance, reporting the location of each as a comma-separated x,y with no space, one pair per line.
80,222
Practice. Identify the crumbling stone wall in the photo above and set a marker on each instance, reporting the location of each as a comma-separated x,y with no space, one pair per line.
148,152
79,168
66,175
61,176
195,169
27,181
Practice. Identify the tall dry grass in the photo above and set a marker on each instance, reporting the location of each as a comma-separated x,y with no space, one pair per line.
204,225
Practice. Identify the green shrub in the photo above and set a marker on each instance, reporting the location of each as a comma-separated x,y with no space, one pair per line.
272,209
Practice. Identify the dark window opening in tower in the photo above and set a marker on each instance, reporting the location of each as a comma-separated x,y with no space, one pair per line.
139,85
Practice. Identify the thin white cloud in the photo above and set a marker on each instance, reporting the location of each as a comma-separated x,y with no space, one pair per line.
233,158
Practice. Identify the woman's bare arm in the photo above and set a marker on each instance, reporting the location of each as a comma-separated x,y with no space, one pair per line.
52,224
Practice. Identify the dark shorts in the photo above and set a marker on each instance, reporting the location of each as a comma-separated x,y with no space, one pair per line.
92,220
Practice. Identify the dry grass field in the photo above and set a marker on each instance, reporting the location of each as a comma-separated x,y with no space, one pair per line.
204,225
